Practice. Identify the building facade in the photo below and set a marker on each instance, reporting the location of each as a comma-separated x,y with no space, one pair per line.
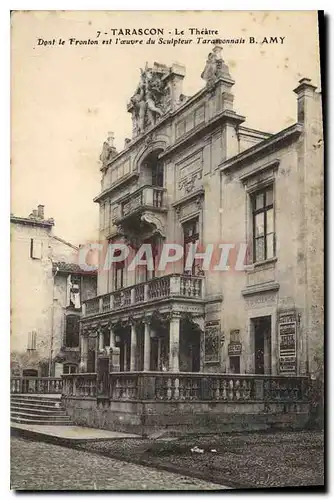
48,287
193,174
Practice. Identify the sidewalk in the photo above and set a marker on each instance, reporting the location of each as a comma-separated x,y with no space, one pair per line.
67,434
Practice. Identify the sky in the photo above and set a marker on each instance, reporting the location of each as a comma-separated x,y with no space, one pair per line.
65,98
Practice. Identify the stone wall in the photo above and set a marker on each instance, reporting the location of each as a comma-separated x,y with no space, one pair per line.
173,419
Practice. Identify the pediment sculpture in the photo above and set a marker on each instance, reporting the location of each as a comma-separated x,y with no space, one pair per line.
150,100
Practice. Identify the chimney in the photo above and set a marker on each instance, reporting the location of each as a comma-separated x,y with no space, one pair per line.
174,81
35,214
305,92
40,211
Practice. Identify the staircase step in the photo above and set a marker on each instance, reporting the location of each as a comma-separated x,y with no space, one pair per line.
37,397
37,407
29,416
36,410
36,421
37,402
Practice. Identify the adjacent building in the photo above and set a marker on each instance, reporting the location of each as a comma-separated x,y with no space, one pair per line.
48,287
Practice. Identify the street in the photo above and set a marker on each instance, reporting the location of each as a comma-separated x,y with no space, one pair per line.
42,466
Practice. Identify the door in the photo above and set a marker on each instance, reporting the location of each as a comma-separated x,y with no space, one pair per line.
262,345
259,351
103,377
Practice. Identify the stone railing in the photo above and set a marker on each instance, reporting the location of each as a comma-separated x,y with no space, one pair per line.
79,384
170,286
145,197
36,385
166,386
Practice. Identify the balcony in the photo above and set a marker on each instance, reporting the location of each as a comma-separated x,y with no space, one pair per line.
146,198
168,287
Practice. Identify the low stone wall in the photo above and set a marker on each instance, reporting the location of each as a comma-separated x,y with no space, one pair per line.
149,418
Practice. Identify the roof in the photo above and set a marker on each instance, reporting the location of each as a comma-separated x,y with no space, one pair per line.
32,221
65,242
71,268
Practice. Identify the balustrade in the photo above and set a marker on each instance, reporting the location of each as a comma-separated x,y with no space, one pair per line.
92,306
124,387
146,196
159,288
155,289
79,384
166,386
36,385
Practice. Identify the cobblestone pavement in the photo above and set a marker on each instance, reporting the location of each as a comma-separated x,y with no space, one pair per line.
37,465
239,460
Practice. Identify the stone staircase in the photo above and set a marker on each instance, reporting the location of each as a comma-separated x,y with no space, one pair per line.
37,410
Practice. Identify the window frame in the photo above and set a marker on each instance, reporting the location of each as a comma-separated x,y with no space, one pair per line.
263,210
118,281
194,238
73,334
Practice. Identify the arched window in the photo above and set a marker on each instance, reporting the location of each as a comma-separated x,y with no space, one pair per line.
72,331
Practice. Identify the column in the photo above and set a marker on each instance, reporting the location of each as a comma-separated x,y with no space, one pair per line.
147,345
174,343
133,353
125,356
84,353
114,353
101,340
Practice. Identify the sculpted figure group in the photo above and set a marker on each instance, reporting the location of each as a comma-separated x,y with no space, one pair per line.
148,94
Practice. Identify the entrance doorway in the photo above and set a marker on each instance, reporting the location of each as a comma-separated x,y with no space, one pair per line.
103,377
189,347
262,345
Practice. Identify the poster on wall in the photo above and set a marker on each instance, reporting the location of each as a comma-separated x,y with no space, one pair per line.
287,331
211,343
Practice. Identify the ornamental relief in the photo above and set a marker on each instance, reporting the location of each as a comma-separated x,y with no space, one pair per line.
190,173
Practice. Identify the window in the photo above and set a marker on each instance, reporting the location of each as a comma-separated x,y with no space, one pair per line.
74,291
118,272
158,175
32,336
190,237
235,364
69,369
263,225
35,249
235,336
72,331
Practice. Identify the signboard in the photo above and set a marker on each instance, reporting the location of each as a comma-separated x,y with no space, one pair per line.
234,349
287,332
211,341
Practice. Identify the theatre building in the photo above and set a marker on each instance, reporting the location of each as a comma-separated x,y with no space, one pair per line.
190,344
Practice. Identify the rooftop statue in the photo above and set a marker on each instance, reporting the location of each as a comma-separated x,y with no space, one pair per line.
215,68
147,102
108,148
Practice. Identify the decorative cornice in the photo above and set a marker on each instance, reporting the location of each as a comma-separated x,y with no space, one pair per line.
271,286
274,164
123,180
224,116
192,196
262,147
